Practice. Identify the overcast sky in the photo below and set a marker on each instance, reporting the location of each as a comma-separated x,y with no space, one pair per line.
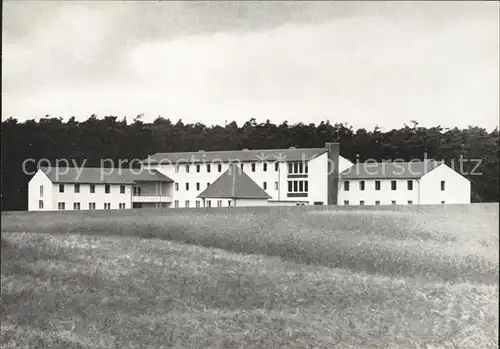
364,63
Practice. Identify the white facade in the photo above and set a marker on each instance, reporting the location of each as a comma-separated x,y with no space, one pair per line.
423,190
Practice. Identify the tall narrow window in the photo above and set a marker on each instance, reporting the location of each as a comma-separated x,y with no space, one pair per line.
219,168
107,188
186,204
306,186
290,186
61,188
61,205
377,185
410,185
77,188
276,166
306,168
264,167
208,167
40,204
290,167
176,168
209,203
187,168
393,185
301,186
197,168
301,167
219,203
275,185
197,203
241,166
442,185
76,206
208,184
295,186
296,167
92,188
176,186
122,189
253,167
346,186
198,186
41,191
187,186
176,203
361,185
229,203
265,185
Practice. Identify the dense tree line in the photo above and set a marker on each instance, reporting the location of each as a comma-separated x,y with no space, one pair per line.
96,139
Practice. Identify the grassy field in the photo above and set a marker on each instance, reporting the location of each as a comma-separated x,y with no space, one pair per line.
285,278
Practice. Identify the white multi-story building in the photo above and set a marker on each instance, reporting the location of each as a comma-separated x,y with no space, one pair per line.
313,176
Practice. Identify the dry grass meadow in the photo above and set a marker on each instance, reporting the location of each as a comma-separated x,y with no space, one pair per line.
284,278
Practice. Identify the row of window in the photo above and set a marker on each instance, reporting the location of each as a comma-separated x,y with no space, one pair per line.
198,186
409,185
198,203
393,202
298,186
76,189
77,206
293,167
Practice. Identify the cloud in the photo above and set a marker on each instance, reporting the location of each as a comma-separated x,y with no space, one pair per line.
365,69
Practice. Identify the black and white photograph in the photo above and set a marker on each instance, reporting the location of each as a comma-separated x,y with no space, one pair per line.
250,174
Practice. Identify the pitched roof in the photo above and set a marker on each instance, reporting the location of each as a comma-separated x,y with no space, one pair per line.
290,154
234,184
412,169
99,175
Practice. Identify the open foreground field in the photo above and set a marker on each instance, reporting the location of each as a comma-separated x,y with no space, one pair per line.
283,278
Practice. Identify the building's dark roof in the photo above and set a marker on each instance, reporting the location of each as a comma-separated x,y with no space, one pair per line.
99,175
383,170
271,155
234,184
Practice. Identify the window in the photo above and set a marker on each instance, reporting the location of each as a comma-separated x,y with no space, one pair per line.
393,202
107,188
208,184
40,204
361,202
187,168
186,203
276,166
61,188
197,203
346,186
241,166
77,188
219,168
229,203
290,167
122,189
176,168
253,167
92,188
187,186
301,167
306,169
377,185
137,191
198,186
296,167
275,185
176,203
264,167
41,191
121,205
442,202
208,167
61,205
362,185
91,205
346,202
410,185
410,202
76,206
301,186
306,186
209,203
219,203
290,184
442,185
265,186
107,206
377,202
176,186
393,185
295,185
197,168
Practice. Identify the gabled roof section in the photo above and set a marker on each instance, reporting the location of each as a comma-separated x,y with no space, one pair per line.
271,155
234,184
97,175
386,170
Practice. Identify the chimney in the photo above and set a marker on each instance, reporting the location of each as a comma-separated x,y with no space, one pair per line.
333,172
